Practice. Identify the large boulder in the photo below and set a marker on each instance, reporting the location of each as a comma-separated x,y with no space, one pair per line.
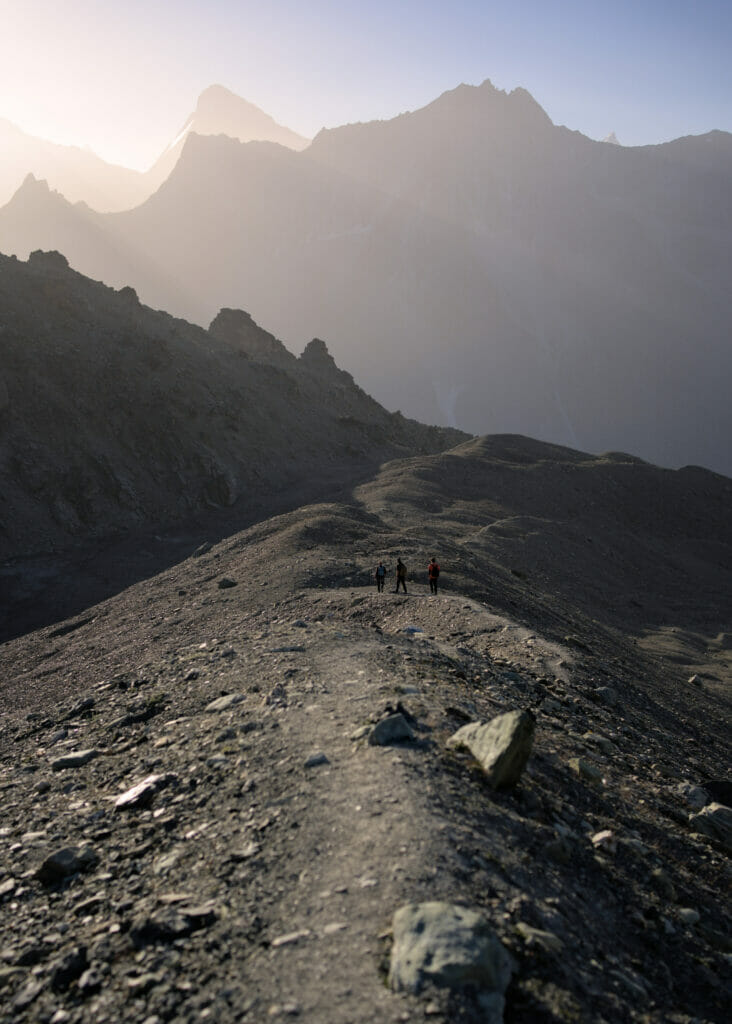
449,946
501,746
714,821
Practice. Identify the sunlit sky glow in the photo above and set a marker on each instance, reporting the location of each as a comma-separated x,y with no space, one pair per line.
122,77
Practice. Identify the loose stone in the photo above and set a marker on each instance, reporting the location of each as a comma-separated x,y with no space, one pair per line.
69,861
230,700
316,759
390,730
714,821
501,746
448,946
75,760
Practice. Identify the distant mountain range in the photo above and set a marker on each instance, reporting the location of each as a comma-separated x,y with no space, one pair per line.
80,175
472,263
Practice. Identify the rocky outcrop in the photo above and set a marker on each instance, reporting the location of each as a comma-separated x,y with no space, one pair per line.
237,328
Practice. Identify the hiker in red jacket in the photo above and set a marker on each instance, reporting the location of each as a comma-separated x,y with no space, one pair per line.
433,571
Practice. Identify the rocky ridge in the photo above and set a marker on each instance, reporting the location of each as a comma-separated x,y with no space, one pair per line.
204,818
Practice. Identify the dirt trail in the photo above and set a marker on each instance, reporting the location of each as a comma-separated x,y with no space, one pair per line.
289,844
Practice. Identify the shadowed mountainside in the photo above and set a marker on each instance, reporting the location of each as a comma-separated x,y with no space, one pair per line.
471,262
116,418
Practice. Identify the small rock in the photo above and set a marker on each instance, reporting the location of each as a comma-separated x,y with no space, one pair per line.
663,883
70,967
362,731
7,888
390,730
142,794
550,706
28,994
689,916
501,746
606,695
693,796
714,821
605,840
448,946
547,941
75,760
246,853
88,906
170,923
585,769
601,742
71,860
90,981
277,696
226,584
316,759
80,708
695,680
229,700
290,938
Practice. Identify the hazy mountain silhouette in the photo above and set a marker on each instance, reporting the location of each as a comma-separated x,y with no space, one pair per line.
221,112
77,173
471,262
80,175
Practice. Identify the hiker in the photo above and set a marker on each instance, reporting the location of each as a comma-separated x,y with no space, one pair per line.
401,576
433,571
380,575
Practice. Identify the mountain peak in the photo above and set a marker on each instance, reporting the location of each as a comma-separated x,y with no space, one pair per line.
219,111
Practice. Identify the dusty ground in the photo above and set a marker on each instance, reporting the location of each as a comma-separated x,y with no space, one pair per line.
257,886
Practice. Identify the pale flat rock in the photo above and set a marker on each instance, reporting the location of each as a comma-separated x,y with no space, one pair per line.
547,941
291,938
76,759
501,746
230,700
141,794
449,946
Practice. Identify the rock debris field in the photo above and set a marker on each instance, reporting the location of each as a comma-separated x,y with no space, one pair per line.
249,788
230,832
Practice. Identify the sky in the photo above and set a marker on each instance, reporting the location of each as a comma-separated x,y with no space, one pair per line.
121,78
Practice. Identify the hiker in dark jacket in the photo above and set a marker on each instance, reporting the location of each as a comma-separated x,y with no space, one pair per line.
380,576
401,576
